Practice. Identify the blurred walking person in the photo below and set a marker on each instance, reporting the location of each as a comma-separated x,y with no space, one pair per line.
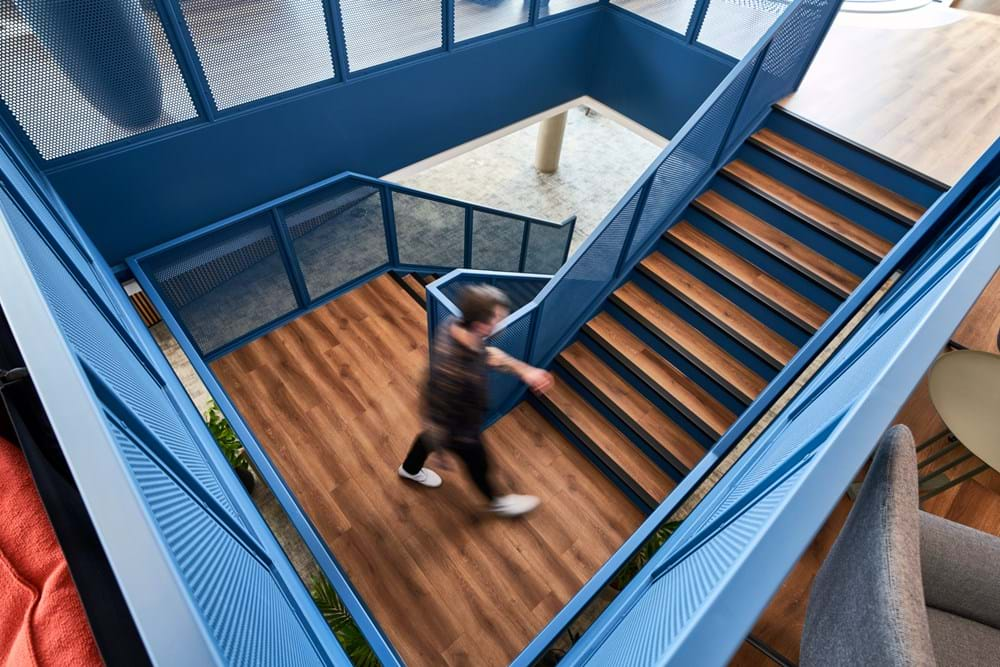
454,400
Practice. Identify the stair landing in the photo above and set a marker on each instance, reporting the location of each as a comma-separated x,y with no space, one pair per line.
332,397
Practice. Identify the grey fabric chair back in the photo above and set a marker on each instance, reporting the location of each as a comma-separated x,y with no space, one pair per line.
867,606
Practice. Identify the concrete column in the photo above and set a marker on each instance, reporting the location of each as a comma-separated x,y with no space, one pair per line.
550,141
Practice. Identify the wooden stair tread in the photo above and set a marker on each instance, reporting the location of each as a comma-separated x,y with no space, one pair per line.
723,260
415,287
690,342
658,430
646,478
773,240
425,278
665,379
727,315
868,191
857,237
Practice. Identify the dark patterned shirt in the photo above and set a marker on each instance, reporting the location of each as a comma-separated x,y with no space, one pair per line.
455,393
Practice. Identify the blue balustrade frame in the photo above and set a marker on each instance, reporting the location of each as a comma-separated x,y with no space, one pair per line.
785,486
304,300
80,406
746,114
961,196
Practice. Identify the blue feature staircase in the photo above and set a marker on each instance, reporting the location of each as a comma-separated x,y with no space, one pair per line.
777,240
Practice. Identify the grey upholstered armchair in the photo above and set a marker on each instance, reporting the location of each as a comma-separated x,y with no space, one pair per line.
900,586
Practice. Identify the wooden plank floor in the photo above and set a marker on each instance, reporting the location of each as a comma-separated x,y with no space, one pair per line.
973,503
928,98
332,397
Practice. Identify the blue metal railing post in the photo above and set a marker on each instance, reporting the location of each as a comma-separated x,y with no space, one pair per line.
533,12
468,237
737,112
448,23
526,234
289,258
335,34
632,226
187,57
697,18
389,222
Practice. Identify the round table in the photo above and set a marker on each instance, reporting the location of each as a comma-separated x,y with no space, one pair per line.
965,389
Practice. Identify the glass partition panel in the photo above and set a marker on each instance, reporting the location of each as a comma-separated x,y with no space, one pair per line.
546,248
226,284
496,242
338,234
429,232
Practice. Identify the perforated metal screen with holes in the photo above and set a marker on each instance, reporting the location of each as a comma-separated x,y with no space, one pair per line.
381,31
81,74
250,49
227,284
734,26
549,7
474,18
338,234
672,14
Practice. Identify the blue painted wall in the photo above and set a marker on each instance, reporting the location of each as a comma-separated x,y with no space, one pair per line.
652,76
137,196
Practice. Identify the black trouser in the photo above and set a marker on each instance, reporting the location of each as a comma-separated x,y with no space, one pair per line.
472,453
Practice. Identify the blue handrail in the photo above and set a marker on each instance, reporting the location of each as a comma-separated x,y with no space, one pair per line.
187,268
747,533
927,228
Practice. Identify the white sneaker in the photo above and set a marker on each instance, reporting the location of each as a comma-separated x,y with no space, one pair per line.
514,505
426,476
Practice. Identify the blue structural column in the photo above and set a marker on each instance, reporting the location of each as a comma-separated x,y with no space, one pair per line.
187,57
335,33
533,16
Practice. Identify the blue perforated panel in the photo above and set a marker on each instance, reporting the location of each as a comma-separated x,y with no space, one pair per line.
251,49
688,161
591,269
81,74
92,338
380,31
673,14
549,7
734,26
474,18
243,607
512,340
338,235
